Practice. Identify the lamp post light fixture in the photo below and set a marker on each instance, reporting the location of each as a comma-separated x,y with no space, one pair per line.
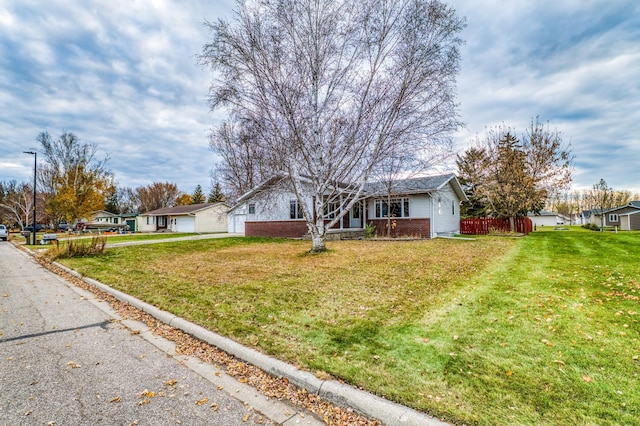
35,162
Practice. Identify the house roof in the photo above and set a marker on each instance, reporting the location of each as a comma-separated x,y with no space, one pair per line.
631,206
635,204
542,213
103,213
181,210
421,185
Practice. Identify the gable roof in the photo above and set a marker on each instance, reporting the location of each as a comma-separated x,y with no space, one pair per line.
631,206
421,185
181,210
103,213
635,204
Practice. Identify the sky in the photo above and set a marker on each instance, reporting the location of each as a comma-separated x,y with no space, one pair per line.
123,74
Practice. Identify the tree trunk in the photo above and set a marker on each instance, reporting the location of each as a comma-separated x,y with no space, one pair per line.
512,224
317,244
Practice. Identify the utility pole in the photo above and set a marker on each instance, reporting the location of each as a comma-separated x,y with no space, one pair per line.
35,165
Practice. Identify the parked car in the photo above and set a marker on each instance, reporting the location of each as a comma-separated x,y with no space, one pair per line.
4,233
39,227
63,226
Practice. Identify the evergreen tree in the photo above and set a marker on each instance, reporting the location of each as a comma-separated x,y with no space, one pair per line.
198,196
216,195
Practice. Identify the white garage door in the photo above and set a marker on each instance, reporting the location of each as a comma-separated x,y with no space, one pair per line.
185,224
238,223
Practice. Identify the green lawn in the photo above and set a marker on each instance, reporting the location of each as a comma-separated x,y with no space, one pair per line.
496,331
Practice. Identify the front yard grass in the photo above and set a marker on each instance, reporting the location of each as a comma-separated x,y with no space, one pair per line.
537,330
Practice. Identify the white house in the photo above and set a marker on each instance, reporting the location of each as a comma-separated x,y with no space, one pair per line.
420,207
199,218
545,218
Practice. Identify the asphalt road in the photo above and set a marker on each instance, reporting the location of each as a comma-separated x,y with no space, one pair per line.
65,361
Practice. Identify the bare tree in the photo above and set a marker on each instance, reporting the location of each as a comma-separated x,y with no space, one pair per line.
332,88
157,195
601,199
245,163
16,203
127,200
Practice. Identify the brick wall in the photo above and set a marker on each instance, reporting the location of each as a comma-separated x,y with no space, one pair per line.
403,227
278,228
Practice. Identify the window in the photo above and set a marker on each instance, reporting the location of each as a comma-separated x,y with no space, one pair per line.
295,212
397,207
330,210
148,220
453,207
613,217
252,209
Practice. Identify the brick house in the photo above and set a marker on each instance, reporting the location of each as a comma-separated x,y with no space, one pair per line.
420,207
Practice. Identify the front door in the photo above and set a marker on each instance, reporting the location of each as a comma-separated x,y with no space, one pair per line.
355,216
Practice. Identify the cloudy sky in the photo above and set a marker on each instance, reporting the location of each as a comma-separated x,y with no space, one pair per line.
123,74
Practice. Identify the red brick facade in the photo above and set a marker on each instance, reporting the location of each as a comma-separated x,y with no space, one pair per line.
277,228
403,227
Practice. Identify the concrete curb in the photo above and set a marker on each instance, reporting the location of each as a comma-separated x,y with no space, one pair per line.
367,404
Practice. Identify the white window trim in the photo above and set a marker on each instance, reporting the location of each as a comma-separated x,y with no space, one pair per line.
377,212
613,217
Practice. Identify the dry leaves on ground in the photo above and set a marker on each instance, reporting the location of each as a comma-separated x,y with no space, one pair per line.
274,387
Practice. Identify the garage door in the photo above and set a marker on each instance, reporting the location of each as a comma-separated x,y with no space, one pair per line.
185,224
238,223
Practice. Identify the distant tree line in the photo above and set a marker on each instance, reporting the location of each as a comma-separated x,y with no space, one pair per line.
72,183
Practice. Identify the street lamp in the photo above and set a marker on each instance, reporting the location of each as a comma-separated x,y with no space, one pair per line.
35,162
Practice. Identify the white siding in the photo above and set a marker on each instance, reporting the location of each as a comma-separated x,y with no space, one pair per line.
446,211
212,219
270,208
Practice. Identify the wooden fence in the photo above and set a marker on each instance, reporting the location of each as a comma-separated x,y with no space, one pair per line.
484,225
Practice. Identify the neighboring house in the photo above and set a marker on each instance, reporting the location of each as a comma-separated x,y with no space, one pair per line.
419,207
545,218
102,216
207,217
625,217
105,217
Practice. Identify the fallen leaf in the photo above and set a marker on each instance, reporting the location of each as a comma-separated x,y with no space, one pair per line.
509,373
245,418
214,406
202,401
73,364
220,387
587,379
285,381
116,399
635,357
455,337
171,382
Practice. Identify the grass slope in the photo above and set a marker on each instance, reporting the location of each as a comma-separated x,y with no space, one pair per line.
540,330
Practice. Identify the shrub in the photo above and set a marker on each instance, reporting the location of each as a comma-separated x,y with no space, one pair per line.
591,226
370,230
78,248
